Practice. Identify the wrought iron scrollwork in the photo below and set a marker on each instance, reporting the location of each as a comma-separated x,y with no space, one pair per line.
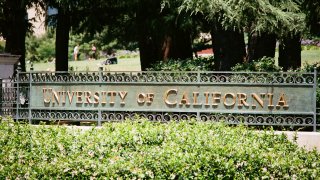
274,120
170,77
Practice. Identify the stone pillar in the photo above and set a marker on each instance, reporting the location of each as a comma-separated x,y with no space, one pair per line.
7,62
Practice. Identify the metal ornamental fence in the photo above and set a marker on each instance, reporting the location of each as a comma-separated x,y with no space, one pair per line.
253,98
8,97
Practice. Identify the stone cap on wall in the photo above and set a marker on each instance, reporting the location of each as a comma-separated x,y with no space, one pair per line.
9,59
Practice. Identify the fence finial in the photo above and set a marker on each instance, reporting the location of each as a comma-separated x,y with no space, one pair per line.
18,67
100,68
31,66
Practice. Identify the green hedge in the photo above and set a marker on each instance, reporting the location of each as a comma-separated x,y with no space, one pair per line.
143,150
196,64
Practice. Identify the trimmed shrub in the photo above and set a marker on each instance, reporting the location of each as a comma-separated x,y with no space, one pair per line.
2,46
40,49
265,64
196,64
310,68
145,150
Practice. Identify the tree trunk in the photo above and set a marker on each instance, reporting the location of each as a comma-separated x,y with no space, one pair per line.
182,44
228,47
16,28
261,45
148,48
166,48
62,39
315,28
147,51
158,38
290,53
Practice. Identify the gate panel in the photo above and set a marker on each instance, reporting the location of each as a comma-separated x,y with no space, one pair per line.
255,98
8,96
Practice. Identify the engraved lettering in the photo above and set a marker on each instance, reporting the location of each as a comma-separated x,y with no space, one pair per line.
150,97
206,95
87,97
122,95
270,96
185,99
55,97
79,99
112,94
233,99
46,98
195,99
166,95
70,96
216,96
103,97
63,93
242,98
96,98
257,99
141,98
282,101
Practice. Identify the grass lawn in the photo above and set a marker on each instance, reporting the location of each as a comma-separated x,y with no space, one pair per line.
310,56
133,64
307,56
127,64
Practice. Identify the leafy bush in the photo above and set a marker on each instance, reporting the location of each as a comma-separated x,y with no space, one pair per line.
197,64
84,48
2,46
265,64
40,49
144,150
310,68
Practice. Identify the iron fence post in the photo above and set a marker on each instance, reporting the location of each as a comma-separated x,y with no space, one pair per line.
100,80
1,113
199,81
315,100
29,94
99,117
18,92
100,73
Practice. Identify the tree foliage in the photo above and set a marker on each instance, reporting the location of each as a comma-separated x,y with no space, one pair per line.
274,16
14,25
163,29
312,10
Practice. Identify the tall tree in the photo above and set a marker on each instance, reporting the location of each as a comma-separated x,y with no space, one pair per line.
290,52
229,47
15,24
147,11
163,33
312,10
2,17
65,9
260,45
262,18
80,16
15,28
62,38
265,21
